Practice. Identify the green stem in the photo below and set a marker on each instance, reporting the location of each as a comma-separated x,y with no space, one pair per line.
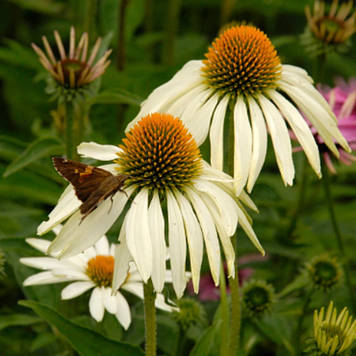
90,12
150,319
121,50
299,328
226,10
224,314
300,202
339,238
171,31
70,132
235,321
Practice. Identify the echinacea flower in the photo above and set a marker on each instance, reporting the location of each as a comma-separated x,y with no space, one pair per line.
333,333
74,69
329,29
169,189
91,269
242,74
342,100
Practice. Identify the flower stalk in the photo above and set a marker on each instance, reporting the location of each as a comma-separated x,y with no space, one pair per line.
339,237
224,314
150,319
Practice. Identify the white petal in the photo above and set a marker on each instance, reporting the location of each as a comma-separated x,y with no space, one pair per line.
70,273
109,300
160,303
138,235
123,313
75,289
290,69
57,229
194,238
217,134
39,244
198,114
280,139
209,233
46,277
246,226
259,142
67,204
242,145
324,123
224,204
177,244
96,304
78,235
41,262
300,129
122,258
97,151
159,249
102,246
212,174
135,288
162,97
245,198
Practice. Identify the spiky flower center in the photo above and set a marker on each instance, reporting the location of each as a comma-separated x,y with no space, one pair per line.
242,60
159,153
72,71
100,270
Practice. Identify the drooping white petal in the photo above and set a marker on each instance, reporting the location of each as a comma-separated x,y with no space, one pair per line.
212,174
46,277
324,123
177,244
56,229
246,226
102,246
67,204
97,151
138,235
123,313
280,139
184,80
159,249
290,69
78,235
198,114
122,258
246,200
109,300
96,304
71,273
160,303
224,204
41,262
75,289
194,238
300,129
209,233
135,288
217,134
259,142
38,244
242,145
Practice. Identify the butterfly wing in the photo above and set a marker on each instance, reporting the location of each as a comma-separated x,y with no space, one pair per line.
84,178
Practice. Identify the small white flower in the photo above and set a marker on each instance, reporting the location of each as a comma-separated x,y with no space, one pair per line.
170,189
92,269
243,71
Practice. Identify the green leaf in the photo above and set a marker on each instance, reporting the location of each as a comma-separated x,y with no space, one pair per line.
204,345
43,147
119,96
298,283
17,320
44,6
86,342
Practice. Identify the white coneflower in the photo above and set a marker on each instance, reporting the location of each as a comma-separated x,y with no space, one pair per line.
74,69
92,269
242,69
168,185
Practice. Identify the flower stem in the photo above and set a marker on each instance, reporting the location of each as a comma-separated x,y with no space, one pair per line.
171,31
150,318
339,238
235,321
298,330
70,135
224,314
226,10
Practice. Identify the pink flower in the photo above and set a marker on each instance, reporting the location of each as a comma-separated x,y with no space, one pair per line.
342,100
207,289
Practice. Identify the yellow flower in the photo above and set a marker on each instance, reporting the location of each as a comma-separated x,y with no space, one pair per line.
333,333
